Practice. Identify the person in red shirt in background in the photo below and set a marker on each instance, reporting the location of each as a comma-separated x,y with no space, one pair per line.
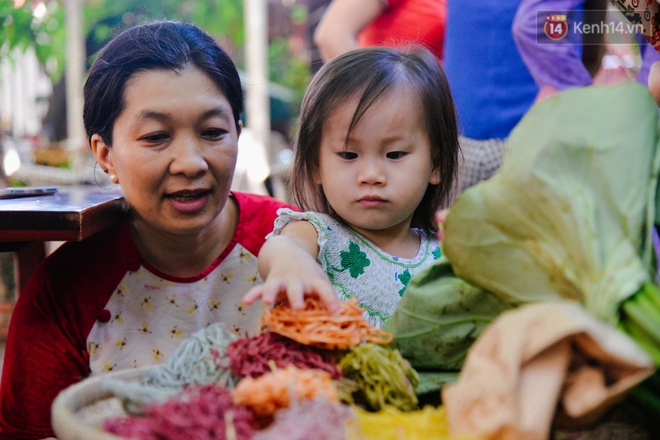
349,24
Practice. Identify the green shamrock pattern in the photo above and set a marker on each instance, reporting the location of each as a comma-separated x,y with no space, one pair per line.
354,260
405,279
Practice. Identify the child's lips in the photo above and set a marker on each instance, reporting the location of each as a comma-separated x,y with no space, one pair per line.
370,201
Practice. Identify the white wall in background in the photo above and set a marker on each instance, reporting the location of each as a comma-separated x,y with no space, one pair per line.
24,90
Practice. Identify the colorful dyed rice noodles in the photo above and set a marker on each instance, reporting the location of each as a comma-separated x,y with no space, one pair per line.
200,359
383,377
253,357
275,390
317,419
428,424
314,325
200,413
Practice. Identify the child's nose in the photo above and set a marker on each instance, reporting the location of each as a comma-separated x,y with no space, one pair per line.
371,173
188,157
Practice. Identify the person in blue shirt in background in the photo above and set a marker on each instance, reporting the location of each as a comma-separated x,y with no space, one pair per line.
497,70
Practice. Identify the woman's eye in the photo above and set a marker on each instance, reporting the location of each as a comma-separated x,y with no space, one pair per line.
155,138
395,155
214,133
348,155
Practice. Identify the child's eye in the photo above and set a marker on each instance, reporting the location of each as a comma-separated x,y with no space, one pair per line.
214,133
348,155
395,154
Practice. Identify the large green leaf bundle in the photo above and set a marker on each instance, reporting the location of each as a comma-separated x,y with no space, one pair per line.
568,216
439,317
570,213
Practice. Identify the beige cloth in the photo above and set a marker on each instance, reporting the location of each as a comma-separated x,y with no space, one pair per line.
538,362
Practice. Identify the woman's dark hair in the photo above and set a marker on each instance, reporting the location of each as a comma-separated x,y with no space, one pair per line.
160,45
370,73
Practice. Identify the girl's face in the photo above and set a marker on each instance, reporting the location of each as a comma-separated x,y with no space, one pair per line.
174,150
377,181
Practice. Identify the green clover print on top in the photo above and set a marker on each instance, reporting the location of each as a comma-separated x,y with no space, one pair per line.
354,260
405,279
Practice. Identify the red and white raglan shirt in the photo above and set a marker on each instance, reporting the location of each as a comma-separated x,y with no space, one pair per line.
96,306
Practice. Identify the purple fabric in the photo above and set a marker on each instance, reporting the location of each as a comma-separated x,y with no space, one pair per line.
557,64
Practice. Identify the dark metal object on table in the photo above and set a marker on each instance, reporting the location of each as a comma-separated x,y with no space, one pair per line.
73,213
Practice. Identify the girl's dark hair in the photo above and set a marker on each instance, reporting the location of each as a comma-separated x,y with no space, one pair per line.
159,45
370,73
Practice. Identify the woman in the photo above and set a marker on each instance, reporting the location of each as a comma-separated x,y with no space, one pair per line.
162,109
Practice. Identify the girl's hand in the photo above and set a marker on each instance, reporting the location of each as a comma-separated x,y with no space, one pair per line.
288,265
294,287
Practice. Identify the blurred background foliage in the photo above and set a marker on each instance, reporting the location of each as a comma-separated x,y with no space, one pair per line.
41,24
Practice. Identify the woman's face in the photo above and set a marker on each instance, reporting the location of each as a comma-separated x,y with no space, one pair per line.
174,150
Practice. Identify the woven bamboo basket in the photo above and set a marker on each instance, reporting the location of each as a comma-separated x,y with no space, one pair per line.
78,412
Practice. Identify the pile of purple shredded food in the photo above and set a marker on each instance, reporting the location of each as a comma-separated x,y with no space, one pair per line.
253,356
201,412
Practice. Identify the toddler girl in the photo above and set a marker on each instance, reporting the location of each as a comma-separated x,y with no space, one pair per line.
376,156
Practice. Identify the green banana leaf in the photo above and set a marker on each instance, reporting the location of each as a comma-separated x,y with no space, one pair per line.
570,213
439,317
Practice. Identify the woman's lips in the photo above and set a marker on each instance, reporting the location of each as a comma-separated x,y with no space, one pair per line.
188,201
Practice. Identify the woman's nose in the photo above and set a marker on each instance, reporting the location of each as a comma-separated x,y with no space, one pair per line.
188,157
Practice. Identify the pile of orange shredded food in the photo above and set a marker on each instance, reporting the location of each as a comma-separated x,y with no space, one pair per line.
314,325
272,391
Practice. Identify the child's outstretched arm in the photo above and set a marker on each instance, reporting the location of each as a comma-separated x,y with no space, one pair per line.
287,263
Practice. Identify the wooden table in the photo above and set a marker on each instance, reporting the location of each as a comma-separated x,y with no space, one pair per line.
72,214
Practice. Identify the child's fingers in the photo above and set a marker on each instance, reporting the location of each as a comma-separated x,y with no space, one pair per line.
272,290
277,289
296,294
253,294
326,293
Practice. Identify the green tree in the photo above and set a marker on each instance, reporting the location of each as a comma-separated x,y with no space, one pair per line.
41,24
34,24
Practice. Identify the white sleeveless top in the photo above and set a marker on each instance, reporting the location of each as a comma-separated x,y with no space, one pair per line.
358,268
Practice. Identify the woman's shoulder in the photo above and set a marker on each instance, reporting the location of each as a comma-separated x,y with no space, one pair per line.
97,260
79,277
256,218
106,246
249,203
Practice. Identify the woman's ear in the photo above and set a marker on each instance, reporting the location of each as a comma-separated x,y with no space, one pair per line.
102,154
435,177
